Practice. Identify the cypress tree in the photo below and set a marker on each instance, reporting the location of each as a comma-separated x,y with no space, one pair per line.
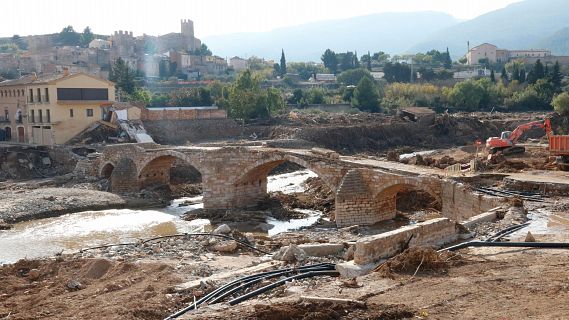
504,75
492,76
448,60
283,63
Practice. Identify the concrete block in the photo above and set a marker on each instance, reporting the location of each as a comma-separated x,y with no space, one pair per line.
351,270
322,249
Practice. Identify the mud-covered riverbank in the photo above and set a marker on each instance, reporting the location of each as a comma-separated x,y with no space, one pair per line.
28,204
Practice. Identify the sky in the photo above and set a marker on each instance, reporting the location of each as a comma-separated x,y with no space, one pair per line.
211,17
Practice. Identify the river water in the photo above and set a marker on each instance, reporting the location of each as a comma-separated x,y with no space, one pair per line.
70,232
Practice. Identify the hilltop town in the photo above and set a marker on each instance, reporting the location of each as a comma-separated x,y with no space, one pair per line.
145,177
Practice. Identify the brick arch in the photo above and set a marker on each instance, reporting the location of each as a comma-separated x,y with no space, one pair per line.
174,155
396,184
104,169
157,170
261,168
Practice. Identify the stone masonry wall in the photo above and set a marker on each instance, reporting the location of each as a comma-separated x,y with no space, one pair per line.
150,114
198,130
435,232
459,203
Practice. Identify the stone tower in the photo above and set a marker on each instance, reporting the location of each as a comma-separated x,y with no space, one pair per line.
188,40
187,28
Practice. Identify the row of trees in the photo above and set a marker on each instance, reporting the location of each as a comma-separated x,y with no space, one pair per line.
69,37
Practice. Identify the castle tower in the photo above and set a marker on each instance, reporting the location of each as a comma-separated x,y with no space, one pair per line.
187,28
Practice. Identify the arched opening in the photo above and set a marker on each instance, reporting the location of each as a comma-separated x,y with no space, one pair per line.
409,202
107,170
180,178
286,188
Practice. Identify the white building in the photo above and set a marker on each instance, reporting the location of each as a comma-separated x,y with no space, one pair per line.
238,64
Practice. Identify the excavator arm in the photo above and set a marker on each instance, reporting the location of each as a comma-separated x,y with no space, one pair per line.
519,131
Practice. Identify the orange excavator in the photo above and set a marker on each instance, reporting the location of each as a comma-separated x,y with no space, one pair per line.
507,142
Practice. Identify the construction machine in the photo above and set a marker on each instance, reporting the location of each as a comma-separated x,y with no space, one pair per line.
507,142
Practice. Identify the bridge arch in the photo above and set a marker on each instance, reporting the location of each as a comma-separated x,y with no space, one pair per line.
106,170
160,168
249,187
261,168
386,195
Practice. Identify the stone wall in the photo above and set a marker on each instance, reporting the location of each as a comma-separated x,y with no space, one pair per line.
460,203
436,232
155,114
189,131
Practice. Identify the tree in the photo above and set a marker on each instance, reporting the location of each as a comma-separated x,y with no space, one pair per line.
19,42
347,60
297,96
447,60
352,77
122,76
330,60
473,95
283,63
190,97
356,61
163,69
141,95
537,72
397,72
203,50
68,37
368,61
537,96
315,96
381,57
556,76
561,103
274,101
246,98
504,75
492,76
277,69
86,37
366,97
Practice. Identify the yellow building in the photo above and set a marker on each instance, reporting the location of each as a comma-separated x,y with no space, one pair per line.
52,109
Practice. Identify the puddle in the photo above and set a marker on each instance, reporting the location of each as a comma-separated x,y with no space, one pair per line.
71,232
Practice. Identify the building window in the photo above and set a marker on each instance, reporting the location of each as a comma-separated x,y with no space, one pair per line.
6,115
89,112
31,95
46,95
8,133
70,113
40,114
48,115
33,116
39,95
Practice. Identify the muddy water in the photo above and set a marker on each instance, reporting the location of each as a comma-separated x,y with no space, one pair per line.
74,231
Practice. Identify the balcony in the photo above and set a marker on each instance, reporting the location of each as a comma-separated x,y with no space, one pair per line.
4,119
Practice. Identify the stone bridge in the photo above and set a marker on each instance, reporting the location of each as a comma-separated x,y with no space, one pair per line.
234,177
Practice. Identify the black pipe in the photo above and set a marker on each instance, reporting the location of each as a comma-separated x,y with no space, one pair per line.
228,286
504,232
257,280
507,231
543,245
176,236
280,283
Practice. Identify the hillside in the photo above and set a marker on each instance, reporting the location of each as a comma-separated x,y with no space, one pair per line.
520,25
388,32
558,43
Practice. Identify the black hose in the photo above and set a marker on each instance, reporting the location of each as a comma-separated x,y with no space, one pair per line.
502,233
257,280
543,245
281,282
179,235
229,286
